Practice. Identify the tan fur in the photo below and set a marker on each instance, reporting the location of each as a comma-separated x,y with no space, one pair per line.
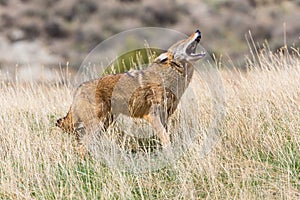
152,94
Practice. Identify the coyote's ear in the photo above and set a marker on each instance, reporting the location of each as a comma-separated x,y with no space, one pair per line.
161,58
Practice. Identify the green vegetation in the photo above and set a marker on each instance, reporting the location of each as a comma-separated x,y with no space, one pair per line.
136,59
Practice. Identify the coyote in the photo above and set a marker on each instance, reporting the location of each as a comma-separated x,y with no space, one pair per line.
152,93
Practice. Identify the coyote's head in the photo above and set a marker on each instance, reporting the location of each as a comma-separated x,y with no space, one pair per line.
184,50
66,123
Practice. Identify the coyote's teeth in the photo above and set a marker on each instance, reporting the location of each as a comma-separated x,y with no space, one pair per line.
198,54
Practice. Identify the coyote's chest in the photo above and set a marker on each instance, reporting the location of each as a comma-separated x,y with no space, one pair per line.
177,76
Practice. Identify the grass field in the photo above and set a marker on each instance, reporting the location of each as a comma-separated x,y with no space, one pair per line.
257,157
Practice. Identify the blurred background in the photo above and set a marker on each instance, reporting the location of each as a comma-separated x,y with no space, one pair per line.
37,36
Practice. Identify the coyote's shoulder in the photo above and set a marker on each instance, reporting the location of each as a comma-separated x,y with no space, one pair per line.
152,93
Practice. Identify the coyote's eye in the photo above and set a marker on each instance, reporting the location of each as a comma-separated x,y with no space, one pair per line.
164,60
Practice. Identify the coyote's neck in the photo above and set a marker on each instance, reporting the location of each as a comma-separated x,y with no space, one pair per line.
175,75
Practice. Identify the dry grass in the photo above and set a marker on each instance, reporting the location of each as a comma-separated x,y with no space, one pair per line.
257,157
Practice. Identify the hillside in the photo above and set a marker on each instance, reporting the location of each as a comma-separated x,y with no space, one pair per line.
53,33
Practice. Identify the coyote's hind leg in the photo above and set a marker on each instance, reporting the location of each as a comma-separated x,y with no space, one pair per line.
158,120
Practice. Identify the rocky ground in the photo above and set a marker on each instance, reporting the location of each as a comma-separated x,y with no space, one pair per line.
54,33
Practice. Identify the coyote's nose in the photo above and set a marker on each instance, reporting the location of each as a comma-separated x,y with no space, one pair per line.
198,33
59,122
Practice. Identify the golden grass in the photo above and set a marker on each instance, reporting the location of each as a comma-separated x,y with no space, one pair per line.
258,156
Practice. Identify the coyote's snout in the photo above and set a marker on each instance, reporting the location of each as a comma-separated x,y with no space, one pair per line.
152,93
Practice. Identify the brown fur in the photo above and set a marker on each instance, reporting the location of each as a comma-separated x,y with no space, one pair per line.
152,94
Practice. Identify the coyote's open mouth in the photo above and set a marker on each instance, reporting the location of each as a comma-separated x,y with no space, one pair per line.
191,47
186,49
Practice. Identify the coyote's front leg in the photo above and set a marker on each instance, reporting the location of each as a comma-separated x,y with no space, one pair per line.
92,128
158,120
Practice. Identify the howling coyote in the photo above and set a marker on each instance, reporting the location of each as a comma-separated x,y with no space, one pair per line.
152,93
